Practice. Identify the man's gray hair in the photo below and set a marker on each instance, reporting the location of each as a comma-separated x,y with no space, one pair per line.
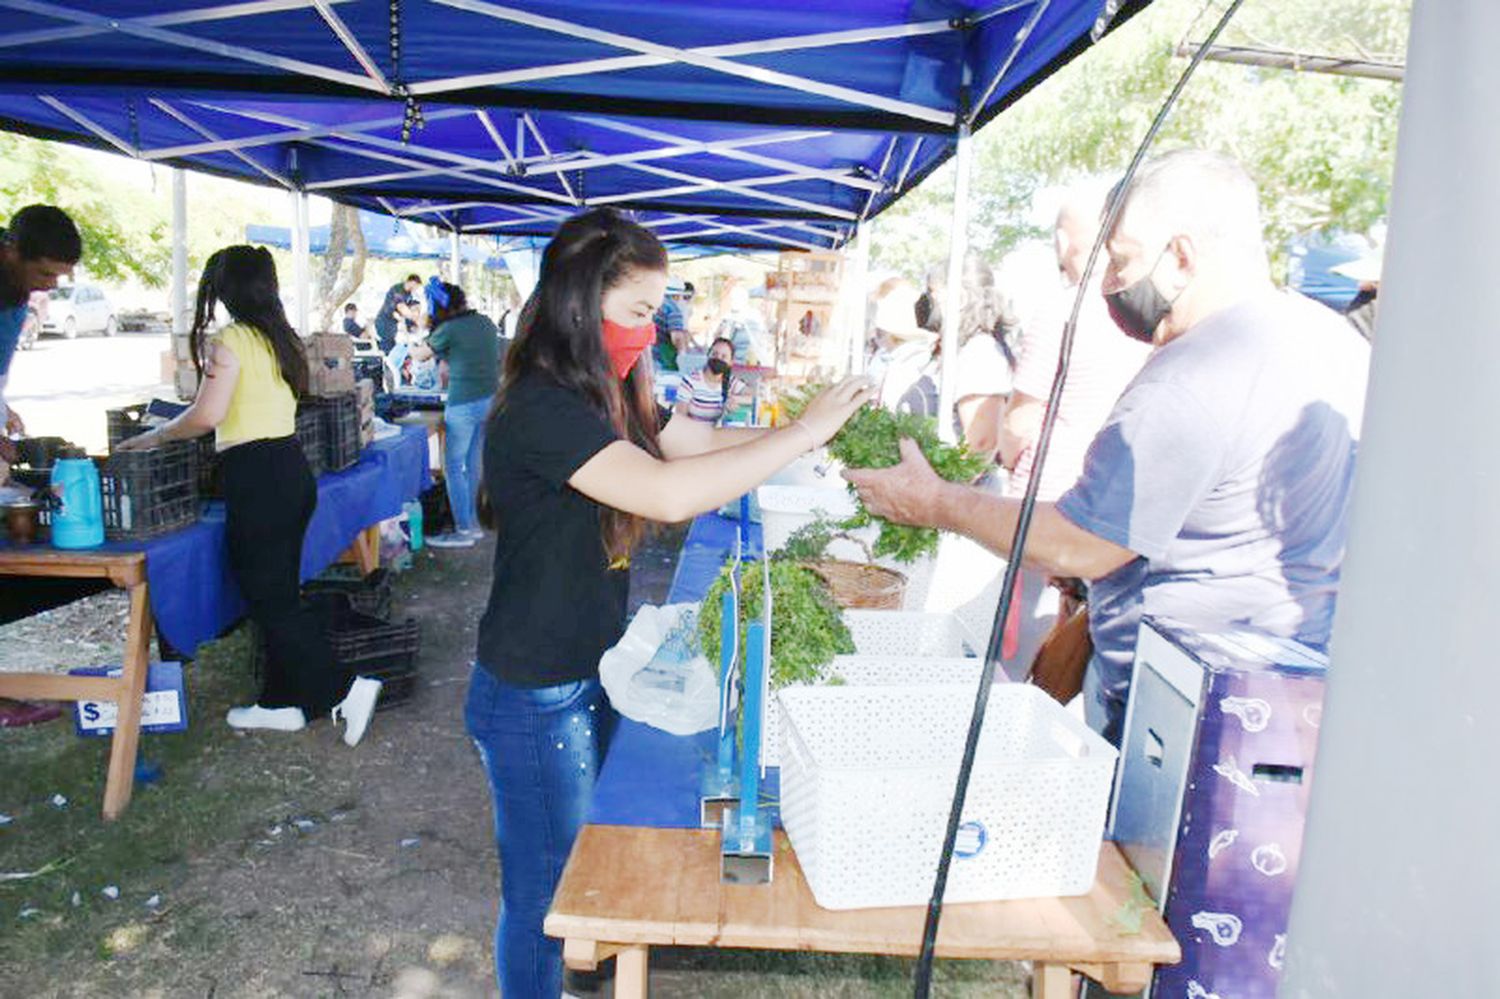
1199,193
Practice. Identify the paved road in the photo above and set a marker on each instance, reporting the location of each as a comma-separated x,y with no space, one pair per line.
62,387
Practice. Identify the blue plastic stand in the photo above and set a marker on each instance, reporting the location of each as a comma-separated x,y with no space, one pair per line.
719,789
746,856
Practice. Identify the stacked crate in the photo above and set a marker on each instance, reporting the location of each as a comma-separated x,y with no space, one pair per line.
365,388
330,364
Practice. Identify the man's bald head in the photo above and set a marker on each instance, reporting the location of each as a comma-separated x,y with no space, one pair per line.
1191,226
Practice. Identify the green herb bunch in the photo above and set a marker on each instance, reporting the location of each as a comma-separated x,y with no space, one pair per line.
807,630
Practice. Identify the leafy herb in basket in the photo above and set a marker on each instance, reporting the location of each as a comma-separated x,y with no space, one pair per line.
872,439
807,630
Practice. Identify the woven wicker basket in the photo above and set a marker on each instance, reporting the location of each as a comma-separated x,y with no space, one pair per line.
857,584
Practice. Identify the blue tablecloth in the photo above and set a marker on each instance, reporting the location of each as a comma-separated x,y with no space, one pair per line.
650,778
193,596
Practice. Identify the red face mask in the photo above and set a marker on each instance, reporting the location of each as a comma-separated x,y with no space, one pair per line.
625,344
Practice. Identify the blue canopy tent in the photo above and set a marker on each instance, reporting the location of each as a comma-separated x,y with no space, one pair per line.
384,237
755,124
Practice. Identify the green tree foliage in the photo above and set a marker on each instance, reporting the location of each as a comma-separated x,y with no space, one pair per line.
1321,147
124,236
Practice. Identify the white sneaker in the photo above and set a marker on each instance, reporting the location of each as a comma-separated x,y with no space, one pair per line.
356,708
454,539
476,533
277,719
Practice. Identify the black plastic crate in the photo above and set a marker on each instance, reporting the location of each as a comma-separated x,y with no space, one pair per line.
147,493
310,436
367,595
363,645
128,421
340,415
372,367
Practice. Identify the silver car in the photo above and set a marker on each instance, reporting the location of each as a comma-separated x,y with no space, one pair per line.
78,308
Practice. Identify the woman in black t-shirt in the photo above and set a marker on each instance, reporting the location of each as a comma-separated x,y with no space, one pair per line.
574,467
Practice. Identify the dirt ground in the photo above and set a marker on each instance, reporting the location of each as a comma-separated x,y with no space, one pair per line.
291,865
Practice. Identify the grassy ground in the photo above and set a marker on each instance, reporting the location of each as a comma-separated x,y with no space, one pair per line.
289,865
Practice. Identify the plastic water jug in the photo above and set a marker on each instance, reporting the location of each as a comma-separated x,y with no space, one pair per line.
413,511
78,519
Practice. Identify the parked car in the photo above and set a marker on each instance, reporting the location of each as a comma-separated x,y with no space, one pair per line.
79,308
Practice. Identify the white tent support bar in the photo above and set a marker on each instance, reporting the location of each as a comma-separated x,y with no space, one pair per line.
726,66
341,31
536,133
625,63
457,172
727,148
455,258
79,118
1010,60
301,297
958,241
249,161
724,149
179,39
911,158
747,187
489,126
46,36
295,131
1004,8
179,291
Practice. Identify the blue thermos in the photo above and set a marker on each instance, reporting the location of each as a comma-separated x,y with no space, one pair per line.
78,518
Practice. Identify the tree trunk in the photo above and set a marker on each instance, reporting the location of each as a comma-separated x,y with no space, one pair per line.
335,283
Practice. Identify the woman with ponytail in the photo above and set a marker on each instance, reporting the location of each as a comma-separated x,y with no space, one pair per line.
575,466
251,373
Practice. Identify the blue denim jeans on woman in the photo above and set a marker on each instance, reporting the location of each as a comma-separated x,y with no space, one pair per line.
542,748
463,453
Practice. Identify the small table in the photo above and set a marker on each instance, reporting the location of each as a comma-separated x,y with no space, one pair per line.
126,570
627,889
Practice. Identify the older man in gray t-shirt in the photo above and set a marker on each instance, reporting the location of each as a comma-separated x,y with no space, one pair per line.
1217,492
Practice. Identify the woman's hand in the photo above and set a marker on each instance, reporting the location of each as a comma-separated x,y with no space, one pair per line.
140,442
832,408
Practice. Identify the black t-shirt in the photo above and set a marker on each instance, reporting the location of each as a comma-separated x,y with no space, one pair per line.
555,604
352,327
396,295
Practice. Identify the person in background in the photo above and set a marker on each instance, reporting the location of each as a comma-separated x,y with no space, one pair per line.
986,362
352,326
671,327
470,344
397,311
1103,363
689,292
40,246
714,390
904,361
1364,309
251,373
929,307
575,469
742,324
1217,491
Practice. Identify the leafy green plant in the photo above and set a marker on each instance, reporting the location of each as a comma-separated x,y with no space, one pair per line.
809,543
807,630
872,439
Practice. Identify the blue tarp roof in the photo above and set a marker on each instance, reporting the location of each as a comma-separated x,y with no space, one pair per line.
753,123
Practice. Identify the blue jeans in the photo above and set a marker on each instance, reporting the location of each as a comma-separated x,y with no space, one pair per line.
462,455
542,748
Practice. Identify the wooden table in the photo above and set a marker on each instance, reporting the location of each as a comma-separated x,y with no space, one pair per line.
627,889
126,570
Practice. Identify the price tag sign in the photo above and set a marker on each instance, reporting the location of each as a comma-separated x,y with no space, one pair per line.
163,706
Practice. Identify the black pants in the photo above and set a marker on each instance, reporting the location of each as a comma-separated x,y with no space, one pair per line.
269,496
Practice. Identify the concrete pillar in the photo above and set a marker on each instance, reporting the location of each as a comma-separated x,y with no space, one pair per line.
1395,896
958,242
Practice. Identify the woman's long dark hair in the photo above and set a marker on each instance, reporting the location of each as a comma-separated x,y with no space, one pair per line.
559,335
244,279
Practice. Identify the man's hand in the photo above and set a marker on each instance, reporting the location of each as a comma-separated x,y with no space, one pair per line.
906,493
14,425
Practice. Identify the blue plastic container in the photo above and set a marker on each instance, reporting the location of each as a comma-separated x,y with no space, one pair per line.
78,520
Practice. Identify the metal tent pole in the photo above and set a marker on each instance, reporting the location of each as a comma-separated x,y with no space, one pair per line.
301,294
455,258
179,295
1394,892
958,241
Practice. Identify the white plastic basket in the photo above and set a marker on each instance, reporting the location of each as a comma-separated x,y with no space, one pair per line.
783,509
867,778
874,671
910,633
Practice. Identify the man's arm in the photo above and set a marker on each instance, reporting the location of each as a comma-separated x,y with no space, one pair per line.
912,493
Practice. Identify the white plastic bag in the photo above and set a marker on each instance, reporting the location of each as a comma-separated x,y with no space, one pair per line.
656,675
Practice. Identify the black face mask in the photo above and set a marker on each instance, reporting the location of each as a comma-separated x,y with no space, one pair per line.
718,366
1140,308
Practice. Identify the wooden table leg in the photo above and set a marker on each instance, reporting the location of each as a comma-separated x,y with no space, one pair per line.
367,549
631,972
131,688
1051,981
